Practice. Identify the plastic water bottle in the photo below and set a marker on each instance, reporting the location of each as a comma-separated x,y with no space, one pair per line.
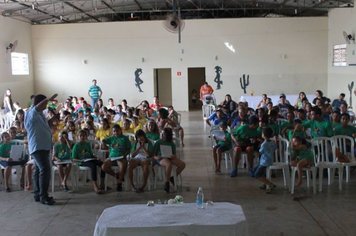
200,198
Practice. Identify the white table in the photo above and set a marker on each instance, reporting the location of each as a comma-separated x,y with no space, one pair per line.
186,219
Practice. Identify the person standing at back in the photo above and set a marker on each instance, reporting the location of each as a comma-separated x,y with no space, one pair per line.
39,144
94,93
206,91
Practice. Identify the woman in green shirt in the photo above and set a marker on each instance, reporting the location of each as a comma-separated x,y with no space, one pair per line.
119,148
152,131
141,155
61,158
5,160
83,154
165,159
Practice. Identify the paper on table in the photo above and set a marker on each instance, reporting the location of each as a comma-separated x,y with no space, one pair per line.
88,159
16,152
166,151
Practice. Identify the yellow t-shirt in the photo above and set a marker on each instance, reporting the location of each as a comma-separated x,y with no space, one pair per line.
101,133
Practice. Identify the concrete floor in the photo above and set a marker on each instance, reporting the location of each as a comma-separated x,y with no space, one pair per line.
328,213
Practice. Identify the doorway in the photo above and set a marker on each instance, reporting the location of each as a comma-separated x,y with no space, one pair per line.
162,85
196,78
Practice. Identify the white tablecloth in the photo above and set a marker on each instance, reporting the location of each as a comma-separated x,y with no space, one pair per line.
186,219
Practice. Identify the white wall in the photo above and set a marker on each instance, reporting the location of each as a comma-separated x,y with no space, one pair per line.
280,55
21,85
340,20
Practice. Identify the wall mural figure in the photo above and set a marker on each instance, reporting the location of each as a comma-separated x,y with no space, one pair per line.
138,80
244,82
217,80
350,86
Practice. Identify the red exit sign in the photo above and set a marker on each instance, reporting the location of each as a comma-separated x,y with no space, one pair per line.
179,73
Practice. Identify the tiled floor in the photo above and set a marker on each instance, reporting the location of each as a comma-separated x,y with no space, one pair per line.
328,213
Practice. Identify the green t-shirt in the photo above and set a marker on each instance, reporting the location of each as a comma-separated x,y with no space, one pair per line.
62,151
285,126
148,145
348,131
298,133
157,147
5,149
319,128
227,141
118,145
243,133
303,154
82,150
275,127
152,136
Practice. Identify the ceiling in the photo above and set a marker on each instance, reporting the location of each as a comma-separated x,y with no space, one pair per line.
61,12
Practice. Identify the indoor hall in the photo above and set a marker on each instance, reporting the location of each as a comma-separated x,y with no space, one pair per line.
327,213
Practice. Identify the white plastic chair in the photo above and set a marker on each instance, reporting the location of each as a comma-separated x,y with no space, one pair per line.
281,161
207,110
346,146
324,159
310,172
158,177
53,172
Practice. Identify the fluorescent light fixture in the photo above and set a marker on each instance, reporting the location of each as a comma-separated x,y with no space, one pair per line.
230,47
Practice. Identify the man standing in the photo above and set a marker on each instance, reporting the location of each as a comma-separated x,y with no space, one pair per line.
94,93
39,145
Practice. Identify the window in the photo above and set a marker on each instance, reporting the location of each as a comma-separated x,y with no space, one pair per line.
339,55
19,63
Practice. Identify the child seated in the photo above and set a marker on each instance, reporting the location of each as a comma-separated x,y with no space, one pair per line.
5,160
167,161
61,153
246,139
152,131
266,159
141,156
302,157
297,131
119,148
223,144
82,154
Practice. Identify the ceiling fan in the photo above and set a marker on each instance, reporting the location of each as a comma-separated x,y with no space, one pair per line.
173,22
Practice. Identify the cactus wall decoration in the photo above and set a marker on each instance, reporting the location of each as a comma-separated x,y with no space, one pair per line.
350,86
244,82
217,79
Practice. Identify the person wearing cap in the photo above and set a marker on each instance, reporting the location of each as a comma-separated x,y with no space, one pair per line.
337,102
94,93
246,139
